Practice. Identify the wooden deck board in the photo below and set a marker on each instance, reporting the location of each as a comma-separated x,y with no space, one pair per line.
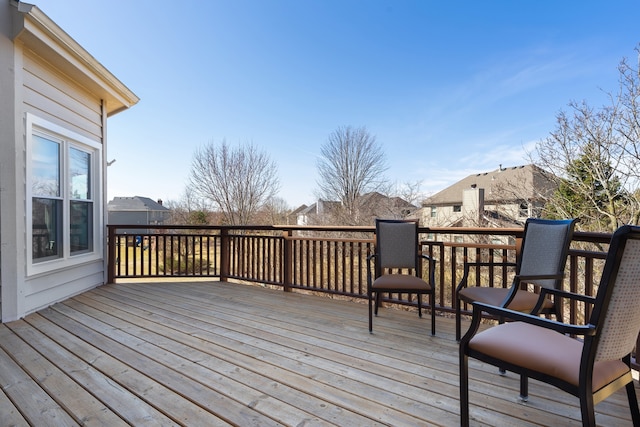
196,353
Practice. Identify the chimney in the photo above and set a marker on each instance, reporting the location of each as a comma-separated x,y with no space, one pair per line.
473,205
160,202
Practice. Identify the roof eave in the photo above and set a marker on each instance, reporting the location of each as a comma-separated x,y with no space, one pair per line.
43,36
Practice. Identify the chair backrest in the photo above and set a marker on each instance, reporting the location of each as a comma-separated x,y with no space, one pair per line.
616,312
396,243
544,249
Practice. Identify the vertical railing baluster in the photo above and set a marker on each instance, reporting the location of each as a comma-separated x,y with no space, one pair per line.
319,263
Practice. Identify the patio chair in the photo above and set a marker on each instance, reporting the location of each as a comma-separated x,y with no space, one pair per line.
398,266
590,368
540,263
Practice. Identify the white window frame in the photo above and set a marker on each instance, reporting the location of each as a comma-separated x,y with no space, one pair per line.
67,139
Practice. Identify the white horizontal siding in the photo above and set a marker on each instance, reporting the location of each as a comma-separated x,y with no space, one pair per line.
46,289
49,95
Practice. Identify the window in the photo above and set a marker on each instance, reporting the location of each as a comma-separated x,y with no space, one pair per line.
523,210
434,212
63,196
457,208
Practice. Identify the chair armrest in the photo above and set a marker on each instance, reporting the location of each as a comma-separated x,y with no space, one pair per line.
427,257
432,269
559,293
518,279
369,275
564,328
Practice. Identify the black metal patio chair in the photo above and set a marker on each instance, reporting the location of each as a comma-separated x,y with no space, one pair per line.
591,367
398,266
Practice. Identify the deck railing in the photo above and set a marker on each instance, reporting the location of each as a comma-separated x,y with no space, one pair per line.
331,259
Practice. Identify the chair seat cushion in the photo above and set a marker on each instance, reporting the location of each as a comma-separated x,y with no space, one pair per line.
400,281
523,301
543,350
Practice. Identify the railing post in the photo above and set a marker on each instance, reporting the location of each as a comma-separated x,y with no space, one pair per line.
288,261
225,254
111,254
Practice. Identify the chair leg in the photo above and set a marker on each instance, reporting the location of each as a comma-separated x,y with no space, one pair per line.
524,388
432,300
458,320
633,404
587,408
464,389
370,312
377,304
419,306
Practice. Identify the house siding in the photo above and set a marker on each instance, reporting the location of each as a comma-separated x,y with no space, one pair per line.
8,161
47,76
48,94
52,96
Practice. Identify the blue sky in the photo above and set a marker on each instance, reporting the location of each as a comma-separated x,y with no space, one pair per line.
448,88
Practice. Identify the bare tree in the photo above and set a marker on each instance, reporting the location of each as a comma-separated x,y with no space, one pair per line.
629,127
410,191
238,181
351,164
189,210
274,211
594,154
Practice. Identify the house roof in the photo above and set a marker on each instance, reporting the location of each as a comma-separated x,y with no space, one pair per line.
136,203
307,210
369,199
527,182
298,210
44,37
374,198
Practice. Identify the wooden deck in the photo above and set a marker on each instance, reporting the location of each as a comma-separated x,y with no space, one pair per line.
207,354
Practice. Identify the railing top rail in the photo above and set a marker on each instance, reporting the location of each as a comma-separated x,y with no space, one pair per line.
327,239
242,227
472,230
583,236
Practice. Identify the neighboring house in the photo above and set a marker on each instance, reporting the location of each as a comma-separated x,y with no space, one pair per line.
137,211
316,214
372,205
380,206
55,101
292,217
505,197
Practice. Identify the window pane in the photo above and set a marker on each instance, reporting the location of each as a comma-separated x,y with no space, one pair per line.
46,167
81,216
79,171
46,229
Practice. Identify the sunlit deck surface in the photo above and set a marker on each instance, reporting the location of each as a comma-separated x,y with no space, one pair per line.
206,354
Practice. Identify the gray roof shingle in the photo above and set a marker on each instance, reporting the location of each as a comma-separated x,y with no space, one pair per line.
527,182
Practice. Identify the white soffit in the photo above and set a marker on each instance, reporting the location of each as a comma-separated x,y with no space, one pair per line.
46,39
